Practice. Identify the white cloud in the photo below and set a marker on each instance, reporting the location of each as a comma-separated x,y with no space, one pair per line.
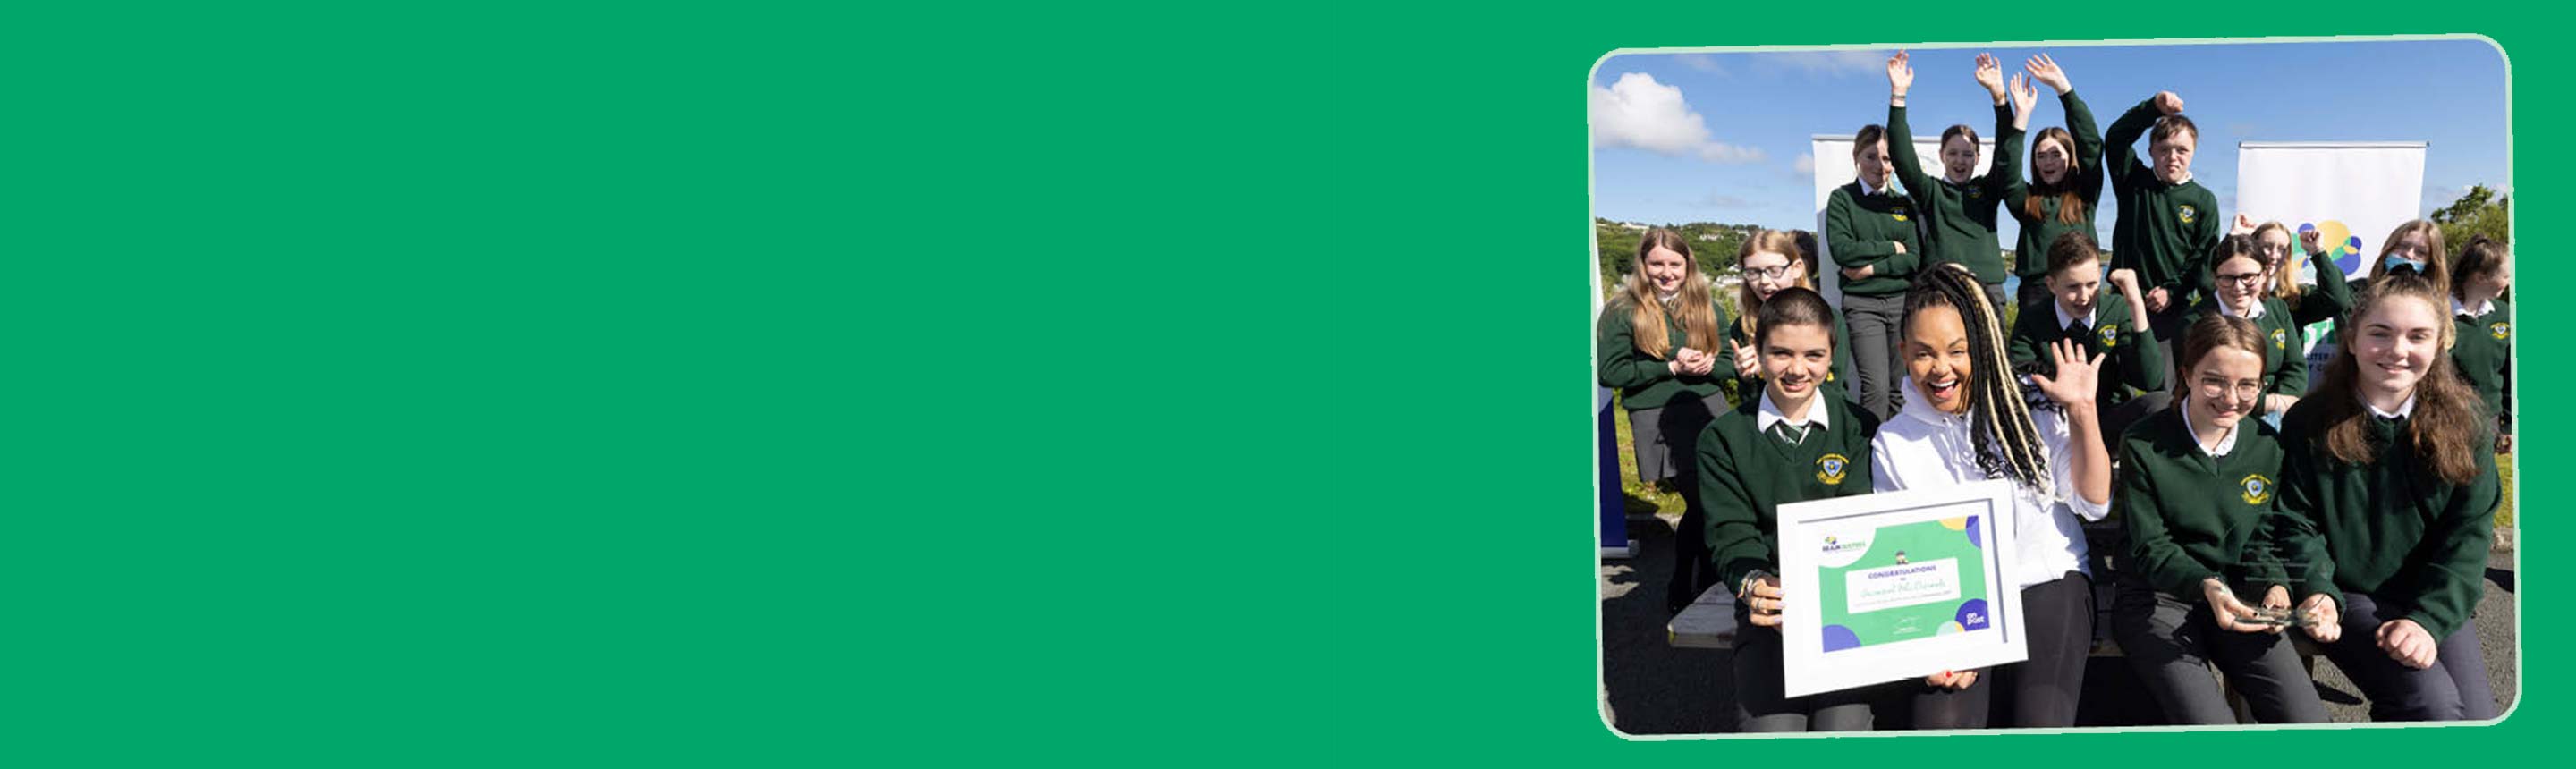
1806,163
1702,62
1639,112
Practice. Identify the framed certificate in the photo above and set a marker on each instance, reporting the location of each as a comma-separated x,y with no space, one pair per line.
1896,585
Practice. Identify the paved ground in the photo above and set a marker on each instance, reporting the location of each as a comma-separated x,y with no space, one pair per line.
1651,688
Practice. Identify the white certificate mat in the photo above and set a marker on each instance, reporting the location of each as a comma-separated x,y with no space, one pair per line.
1896,585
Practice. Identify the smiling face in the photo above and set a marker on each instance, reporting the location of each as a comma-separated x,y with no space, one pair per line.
2172,155
2227,384
1958,157
2273,246
2240,283
1874,165
1768,272
2396,344
1795,359
1665,269
2076,288
2051,159
1936,357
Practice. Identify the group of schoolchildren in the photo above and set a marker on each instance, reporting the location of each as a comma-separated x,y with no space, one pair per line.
2361,521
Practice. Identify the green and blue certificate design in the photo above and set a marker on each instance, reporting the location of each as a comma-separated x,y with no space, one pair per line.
1896,585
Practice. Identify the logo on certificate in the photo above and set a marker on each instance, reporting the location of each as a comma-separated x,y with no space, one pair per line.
2258,489
1830,467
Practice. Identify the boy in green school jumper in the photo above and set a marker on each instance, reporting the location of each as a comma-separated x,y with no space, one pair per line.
2168,222
2104,323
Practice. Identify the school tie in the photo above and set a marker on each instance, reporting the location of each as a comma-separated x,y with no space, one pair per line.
1786,435
2076,331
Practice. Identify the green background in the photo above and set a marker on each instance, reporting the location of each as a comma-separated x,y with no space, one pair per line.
742,384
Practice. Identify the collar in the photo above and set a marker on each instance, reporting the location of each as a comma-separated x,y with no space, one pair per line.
2254,314
2403,409
2187,178
2480,311
1865,189
2226,442
1770,414
2064,320
1667,299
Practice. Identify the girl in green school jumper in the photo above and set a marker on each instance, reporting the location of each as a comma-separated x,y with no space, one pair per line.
1658,344
1960,208
2242,293
2480,275
2064,189
2195,483
1771,262
1798,441
1870,231
2330,298
2388,497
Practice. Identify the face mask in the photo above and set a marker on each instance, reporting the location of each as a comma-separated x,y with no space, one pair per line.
2391,263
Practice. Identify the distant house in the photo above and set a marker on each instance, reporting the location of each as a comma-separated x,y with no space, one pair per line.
1633,227
1708,236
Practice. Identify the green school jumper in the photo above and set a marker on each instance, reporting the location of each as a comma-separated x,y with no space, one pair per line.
2390,529
2328,300
2134,353
1746,475
2285,359
1748,388
2485,356
2190,516
2165,231
2030,251
1645,382
1962,221
1862,230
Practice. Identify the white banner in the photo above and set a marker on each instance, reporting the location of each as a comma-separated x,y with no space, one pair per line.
1834,168
2352,193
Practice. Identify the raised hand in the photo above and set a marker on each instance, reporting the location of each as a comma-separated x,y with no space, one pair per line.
2124,279
2308,241
2168,102
2024,97
1990,73
1900,75
2047,71
2244,225
2075,376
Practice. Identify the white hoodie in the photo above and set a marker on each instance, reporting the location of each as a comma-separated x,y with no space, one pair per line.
1926,448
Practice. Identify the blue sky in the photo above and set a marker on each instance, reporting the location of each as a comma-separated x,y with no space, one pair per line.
1758,111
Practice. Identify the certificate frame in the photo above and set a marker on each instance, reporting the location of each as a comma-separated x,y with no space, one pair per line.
1859,610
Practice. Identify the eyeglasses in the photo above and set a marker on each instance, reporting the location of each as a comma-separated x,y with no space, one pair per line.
2242,278
2219,388
1770,273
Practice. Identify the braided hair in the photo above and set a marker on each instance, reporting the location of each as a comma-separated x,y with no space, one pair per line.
1999,406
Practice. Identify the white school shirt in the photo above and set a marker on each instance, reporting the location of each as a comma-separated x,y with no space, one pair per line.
1922,447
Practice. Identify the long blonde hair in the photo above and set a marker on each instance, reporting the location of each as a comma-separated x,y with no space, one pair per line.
1748,302
1697,305
2285,284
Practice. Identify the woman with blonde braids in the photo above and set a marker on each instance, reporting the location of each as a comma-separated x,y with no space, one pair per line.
1658,344
1966,418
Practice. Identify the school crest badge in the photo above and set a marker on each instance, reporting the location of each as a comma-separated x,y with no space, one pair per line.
1830,467
2499,329
2187,212
2110,335
2280,339
1899,213
2258,489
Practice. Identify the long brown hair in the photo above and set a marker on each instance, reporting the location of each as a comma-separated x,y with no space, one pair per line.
2070,204
1748,303
2448,419
2480,256
1697,306
2437,262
